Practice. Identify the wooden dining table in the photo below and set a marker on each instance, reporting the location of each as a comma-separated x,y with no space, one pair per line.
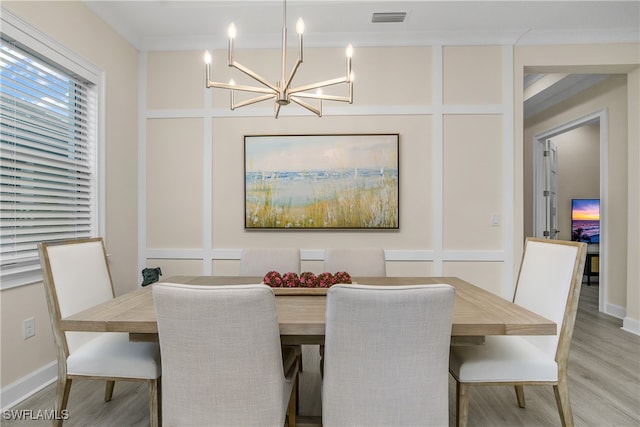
301,311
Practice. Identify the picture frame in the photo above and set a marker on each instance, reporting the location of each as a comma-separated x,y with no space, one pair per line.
585,220
321,182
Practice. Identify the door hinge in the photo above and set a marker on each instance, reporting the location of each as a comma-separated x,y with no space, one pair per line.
546,233
546,193
546,153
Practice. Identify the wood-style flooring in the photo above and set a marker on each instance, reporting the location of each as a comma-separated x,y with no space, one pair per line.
604,384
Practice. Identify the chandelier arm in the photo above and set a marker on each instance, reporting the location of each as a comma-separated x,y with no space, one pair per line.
284,41
254,75
324,97
276,111
220,85
287,85
318,85
299,61
251,101
309,107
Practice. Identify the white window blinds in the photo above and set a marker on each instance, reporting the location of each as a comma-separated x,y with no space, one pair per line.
48,157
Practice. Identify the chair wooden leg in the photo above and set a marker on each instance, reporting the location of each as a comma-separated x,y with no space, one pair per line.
297,390
299,354
159,394
108,392
462,404
520,395
293,403
153,403
561,390
64,388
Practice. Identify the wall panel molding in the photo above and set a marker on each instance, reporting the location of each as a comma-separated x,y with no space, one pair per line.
391,255
433,251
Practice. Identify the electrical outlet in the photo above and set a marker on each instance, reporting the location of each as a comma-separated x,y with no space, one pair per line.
29,327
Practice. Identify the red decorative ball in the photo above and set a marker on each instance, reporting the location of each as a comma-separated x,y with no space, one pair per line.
307,279
325,280
342,277
273,279
290,280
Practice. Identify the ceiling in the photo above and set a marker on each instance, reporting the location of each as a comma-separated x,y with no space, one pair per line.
182,25
161,25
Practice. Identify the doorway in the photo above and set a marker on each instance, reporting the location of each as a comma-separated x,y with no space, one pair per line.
573,183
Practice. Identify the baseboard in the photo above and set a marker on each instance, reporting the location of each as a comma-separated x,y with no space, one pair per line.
628,324
631,325
615,311
28,385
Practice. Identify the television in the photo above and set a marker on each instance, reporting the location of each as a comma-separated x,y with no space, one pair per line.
585,220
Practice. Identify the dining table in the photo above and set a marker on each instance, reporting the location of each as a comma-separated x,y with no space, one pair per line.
477,312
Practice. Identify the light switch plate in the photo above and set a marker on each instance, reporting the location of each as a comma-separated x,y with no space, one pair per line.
29,327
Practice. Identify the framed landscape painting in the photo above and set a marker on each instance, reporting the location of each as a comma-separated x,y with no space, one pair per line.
321,181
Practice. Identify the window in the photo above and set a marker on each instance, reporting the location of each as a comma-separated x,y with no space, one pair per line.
48,169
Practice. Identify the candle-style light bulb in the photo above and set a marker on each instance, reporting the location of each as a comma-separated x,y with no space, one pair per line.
349,53
232,34
232,31
300,26
232,82
207,68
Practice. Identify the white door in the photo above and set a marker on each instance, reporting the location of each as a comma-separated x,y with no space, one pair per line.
550,192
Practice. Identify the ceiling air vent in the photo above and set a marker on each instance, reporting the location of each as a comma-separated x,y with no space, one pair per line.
382,17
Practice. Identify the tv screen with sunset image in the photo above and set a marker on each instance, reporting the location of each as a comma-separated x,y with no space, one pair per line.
585,220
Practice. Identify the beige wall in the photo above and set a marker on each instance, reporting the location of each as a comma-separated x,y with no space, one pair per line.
578,152
450,102
195,212
610,95
619,98
632,320
578,171
72,25
20,357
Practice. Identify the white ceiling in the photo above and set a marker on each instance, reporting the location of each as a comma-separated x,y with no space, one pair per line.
157,25
181,25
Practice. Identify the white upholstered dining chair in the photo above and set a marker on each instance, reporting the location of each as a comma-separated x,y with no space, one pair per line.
222,363
363,262
259,261
386,355
549,285
76,277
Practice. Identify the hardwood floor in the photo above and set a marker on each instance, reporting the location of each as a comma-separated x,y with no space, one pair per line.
604,375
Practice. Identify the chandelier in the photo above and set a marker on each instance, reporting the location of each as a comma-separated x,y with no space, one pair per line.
281,92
